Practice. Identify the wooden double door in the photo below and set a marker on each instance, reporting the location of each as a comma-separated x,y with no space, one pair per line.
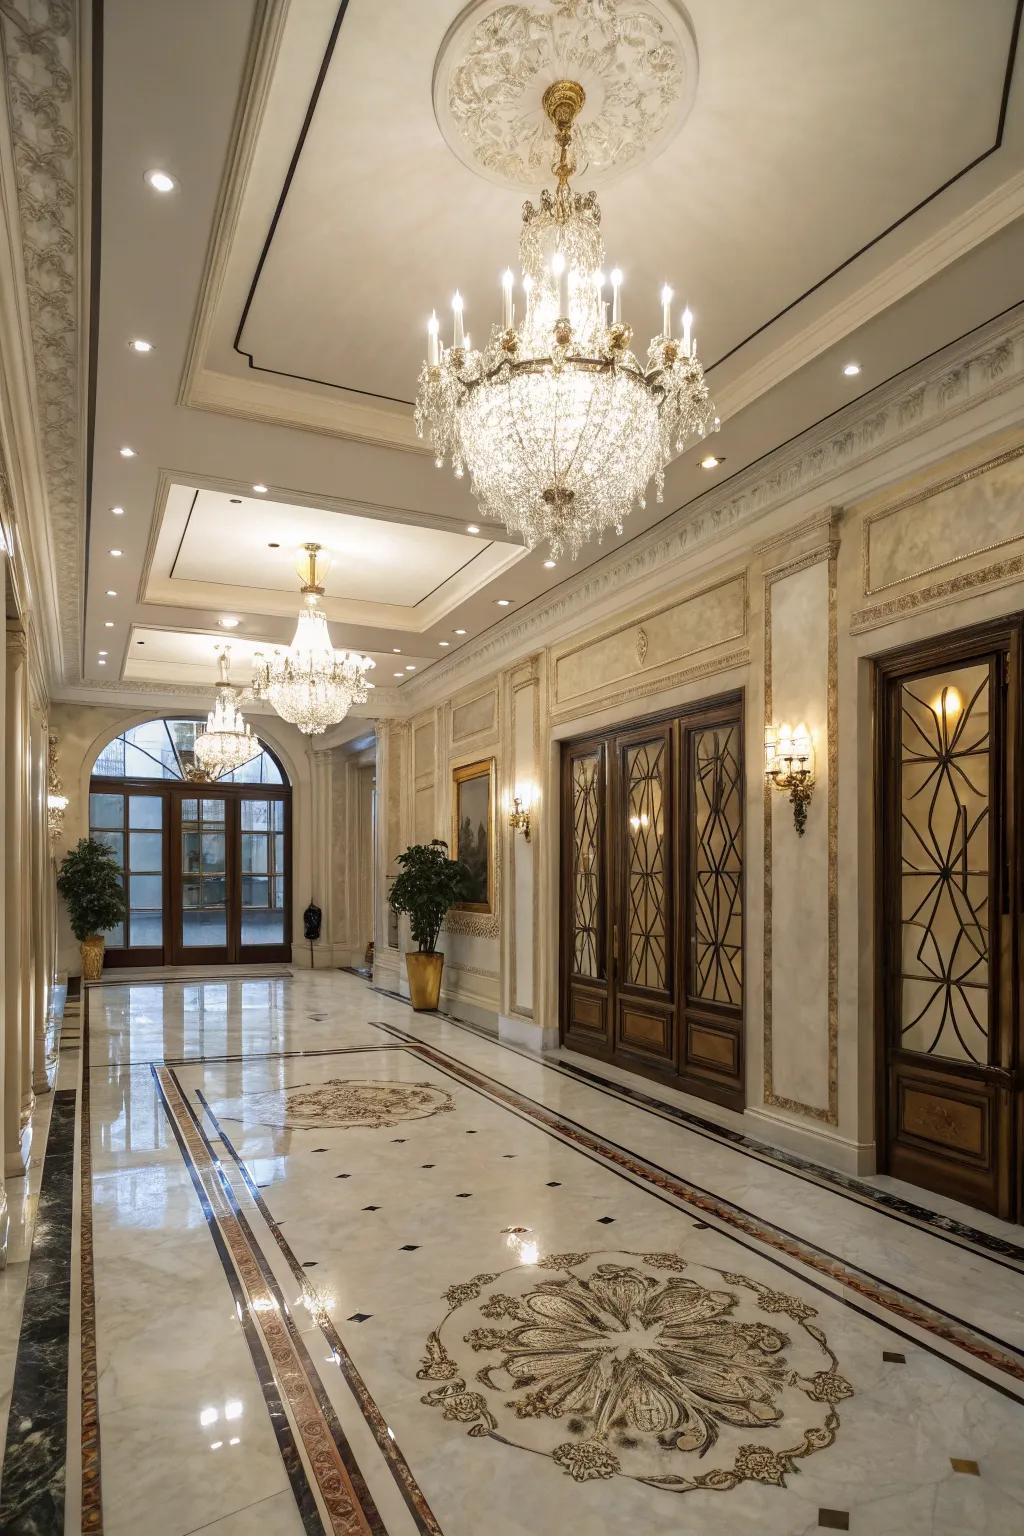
652,898
949,902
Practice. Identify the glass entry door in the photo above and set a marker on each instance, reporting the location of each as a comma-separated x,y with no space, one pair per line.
200,916
229,895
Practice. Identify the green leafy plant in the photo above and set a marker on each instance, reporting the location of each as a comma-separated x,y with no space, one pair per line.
429,884
90,882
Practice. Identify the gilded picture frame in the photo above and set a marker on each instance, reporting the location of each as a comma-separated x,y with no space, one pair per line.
473,786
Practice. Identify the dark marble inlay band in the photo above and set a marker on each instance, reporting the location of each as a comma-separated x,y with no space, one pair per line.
92,1495
32,1488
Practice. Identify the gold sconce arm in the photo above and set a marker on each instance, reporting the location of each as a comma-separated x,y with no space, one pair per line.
789,766
519,818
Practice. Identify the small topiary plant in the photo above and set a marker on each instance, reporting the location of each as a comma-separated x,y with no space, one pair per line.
90,882
429,884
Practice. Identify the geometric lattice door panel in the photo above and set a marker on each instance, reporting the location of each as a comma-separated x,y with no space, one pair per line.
652,898
949,889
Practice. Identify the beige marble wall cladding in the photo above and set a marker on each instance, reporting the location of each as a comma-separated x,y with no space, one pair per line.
522,854
476,716
423,738
652,644
799,1002
972,513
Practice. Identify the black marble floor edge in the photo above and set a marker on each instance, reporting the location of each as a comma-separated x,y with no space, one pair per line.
32,1485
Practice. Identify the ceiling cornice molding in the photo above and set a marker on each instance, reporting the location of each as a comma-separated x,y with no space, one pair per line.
979,368
42,314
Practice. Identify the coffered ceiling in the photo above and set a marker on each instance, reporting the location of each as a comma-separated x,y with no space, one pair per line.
848,184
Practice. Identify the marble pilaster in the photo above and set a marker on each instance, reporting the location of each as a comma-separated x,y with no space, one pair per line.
14,1157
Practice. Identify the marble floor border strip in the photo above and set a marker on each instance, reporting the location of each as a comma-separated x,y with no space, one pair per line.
959,1234
33,1486
92,1482
362,1497
984,1347
307,1506
415,1499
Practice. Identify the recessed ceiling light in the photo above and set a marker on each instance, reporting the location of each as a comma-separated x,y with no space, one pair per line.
711,461
396,650
503,602
472,528
101,662
549,565
103,653
116,553
444,642
160,181
410,669
139,344
111,592
260,488
460,631
108,624
118,511
127,453
399,674
228,622
851,370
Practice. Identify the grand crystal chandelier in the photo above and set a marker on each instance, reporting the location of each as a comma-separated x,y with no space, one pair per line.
312,685
558,422
228,742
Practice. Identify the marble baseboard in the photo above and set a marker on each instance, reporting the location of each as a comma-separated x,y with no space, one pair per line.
513,1029
814,1141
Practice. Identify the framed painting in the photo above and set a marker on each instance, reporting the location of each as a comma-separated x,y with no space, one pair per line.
473,831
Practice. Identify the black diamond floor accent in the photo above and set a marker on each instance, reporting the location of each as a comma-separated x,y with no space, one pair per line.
894,1357
342,1175
464,1196
427,1165
408,1248
606,1221
309,1263
371,1207
700,1226
471,1133
554,1184
360,1317
509,1154
320,1149
399,1141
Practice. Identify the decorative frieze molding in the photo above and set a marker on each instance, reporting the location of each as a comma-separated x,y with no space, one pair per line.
987,363
40,45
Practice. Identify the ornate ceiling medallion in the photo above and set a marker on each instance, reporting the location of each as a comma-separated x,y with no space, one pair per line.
640,1365
635,59
344,1104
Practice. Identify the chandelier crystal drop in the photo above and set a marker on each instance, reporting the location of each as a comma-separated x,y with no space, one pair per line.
558,422
228,742
312,685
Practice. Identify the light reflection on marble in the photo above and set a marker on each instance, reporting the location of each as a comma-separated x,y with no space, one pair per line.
170,1344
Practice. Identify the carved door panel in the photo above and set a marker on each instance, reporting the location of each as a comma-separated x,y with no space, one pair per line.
652,898
949,870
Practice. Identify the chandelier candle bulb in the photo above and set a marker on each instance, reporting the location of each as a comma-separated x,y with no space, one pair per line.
666,312
558,269
458,338
506,310
616,302
687,323
432,338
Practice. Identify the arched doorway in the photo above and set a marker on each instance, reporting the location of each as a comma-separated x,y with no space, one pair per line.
206,864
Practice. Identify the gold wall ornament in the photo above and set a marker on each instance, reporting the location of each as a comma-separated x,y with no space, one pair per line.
56,799
603,423
519,817
642,645
789,766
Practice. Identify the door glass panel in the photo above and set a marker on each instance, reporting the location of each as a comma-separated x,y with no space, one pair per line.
945,817
146,850
717,872
112,840
586,864
106,811
646,917
145,811
204,883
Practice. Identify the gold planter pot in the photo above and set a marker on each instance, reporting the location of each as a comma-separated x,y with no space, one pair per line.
424,972
92,957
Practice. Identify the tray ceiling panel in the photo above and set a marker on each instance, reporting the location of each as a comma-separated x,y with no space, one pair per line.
814,130
188,656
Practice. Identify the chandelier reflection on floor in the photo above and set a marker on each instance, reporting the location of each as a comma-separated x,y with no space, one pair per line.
558,422
228,742
312,685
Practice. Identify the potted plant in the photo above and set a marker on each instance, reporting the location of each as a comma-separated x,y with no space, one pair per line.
90,883
428,885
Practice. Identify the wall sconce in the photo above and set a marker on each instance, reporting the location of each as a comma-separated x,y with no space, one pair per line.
519,817
789,765
56,799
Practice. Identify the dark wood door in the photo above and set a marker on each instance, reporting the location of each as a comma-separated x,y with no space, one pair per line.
652,898
949,903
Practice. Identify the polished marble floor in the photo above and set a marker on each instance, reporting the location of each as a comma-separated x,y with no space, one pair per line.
337,1267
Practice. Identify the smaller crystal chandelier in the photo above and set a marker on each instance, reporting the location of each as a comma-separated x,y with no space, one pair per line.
56,799
560,425
227,742
312,685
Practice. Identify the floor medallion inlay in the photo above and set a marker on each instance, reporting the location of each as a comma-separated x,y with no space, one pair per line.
646,1366
343,1104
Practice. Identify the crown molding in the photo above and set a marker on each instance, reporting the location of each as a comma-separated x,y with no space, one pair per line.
982,366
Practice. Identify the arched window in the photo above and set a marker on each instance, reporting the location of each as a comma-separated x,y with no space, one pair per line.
206,863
